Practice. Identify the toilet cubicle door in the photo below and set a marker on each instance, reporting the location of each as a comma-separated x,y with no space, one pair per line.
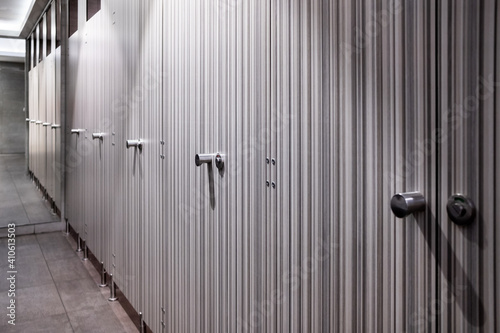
130,162
149,96
200,117
255,242
469,148
74,155
348,137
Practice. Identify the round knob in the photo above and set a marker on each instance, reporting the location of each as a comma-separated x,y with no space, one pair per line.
404,204
461,209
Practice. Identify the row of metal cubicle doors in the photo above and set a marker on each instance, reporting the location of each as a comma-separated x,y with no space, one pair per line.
232,163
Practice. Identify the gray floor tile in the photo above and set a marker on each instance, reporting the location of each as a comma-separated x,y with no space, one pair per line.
20,201
50,324
68,269
27,253
101,319
38,302
8,187
35,273
55,249
80,295
4,283
12,211
20,230
51,238
49,227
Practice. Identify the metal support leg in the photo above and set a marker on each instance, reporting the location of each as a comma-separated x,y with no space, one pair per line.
112,289
78,244
103,276
85,251
143,326
53,208
67,227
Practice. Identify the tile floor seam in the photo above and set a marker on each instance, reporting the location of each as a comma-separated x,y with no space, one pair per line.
57,289
19,196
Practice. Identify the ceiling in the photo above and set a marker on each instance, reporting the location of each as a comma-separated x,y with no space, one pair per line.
13,16
17,19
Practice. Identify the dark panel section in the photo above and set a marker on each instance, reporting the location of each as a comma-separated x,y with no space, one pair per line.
93,6
40,41
58,23
73,16
48,17
33,50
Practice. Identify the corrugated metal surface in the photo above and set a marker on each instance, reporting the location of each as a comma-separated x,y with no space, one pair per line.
468,257
44,86
338,105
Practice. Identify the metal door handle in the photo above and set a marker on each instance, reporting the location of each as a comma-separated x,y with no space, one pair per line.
200,159
28,120
38,122
404,204
134,143
33,121
99,136
77,131
46,124
55,126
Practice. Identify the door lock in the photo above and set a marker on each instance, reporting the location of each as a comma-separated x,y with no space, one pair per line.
461,209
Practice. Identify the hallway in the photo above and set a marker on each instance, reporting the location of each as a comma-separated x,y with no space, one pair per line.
56,291
252,165
20,202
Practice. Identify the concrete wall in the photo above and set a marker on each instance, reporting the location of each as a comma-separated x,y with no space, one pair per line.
12,117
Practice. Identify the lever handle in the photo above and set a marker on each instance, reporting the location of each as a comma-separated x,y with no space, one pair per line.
38,122
404,204
200,159
28,120
55,126
77,131
46,124
99,136
134,143
32,121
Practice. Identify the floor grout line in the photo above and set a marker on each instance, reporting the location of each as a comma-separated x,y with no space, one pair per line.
18,195
55,285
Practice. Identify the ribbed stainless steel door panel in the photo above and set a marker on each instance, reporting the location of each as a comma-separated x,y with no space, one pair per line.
128,232
74,151
50,84
348,100
468,277
58,133
148,95
349,125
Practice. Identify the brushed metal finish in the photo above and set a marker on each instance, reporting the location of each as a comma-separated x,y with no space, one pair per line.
99,136
349,102
199,159
133,143
404,204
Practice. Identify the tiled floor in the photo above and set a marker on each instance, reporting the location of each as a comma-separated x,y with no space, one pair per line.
55,290
20,202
